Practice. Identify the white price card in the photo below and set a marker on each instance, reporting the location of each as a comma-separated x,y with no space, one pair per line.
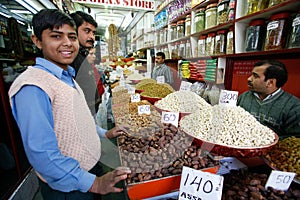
135,98
144,109
199,185
170,118
228,98
185,86
135,71
160,79
280,180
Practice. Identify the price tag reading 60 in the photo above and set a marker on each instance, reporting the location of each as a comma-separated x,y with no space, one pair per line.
170,117
199,185
144,109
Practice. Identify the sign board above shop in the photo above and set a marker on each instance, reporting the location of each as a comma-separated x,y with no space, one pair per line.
132,4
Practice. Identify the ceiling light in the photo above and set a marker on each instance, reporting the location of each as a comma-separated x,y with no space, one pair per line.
27,6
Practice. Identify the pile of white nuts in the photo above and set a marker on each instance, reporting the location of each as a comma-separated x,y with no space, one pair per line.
182,101
232,126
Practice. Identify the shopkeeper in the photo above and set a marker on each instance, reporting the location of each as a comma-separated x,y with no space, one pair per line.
162,70
268,102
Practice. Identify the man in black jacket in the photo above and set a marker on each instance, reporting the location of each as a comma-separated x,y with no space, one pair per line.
86,29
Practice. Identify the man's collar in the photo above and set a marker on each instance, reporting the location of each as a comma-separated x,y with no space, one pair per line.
269,96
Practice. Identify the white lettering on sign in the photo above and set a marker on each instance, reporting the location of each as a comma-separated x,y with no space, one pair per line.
138,4
280,180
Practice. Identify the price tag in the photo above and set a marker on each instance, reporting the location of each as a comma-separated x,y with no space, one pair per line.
135,98
198,185
185,86
160,79
170,117
228,98
280,180
144,109
135,71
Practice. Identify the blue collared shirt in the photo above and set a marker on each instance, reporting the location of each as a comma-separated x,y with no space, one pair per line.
32,110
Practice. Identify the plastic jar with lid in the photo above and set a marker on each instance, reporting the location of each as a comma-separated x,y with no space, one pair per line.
229,41
180,29
222,14
231,10
188,25
201,45
220,42
295,36
210,44
188,49
255,35
173,31
211,15
199,20
277,31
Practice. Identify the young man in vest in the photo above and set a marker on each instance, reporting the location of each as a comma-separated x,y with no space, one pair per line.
58,131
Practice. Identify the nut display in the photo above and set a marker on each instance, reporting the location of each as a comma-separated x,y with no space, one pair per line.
249,185
160,153
155,89
182,101
232,126
285,156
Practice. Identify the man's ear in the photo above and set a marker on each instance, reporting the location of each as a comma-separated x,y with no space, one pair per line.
271,82
36,41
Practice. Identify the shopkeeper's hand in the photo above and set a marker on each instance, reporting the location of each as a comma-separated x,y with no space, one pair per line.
106,183
116,131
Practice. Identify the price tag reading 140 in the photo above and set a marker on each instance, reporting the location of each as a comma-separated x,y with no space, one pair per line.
144,109
280,180
170,118
198,185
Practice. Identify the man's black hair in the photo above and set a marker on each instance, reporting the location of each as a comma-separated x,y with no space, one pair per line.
81,17
162,54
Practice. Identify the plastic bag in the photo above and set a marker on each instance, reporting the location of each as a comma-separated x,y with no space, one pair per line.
101,116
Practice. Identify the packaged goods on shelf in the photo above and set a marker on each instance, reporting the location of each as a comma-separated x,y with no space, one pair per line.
201,45
210,44
294,41
229,41
220,42
277,30
199,20
222,11
211,15
255,35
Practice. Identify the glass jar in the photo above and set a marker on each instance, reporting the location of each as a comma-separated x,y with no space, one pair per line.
255,35
166,51
211,15
251,6
174,51
277,31
166,34
222,13
161,33
180,29
201,45
188,25
181,51
210,44
157,37
200,20
262,4
188,49
231,10
220,42
173,31
275,2
229,41
295,36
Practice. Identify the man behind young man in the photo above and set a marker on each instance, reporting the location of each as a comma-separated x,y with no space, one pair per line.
86,30
57,129
266,100
161,69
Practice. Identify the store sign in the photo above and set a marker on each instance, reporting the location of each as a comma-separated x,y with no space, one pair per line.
135,4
